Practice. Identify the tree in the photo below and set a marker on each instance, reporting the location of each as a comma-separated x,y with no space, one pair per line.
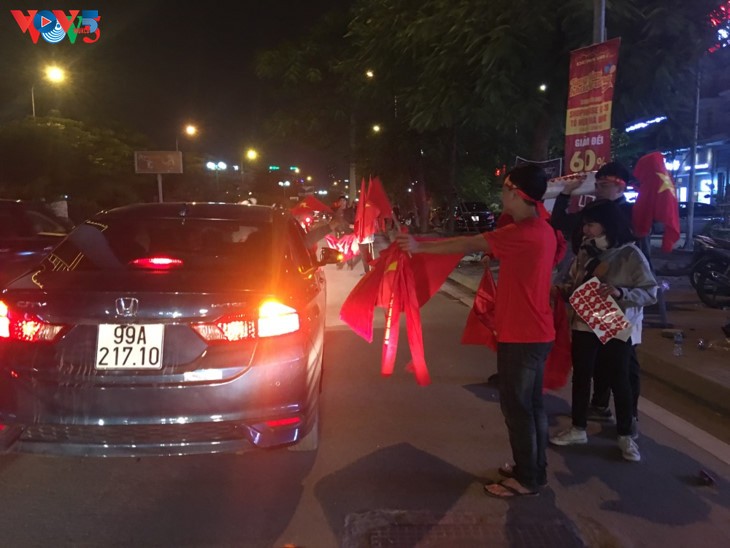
53,157
462,78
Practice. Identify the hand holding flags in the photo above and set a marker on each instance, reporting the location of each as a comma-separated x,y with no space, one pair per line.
398,283
657,200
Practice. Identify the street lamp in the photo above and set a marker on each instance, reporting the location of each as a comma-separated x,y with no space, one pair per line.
216,167
53,74
190,130
252,154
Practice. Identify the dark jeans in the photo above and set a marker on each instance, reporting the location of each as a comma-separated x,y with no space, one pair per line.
602,384
366,252
520,367
613,359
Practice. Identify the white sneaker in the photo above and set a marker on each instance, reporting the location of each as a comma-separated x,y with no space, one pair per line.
571,436
629,449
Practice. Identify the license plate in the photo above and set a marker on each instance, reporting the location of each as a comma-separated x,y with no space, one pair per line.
129,346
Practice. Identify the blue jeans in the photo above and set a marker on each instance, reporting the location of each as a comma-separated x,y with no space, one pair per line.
520,367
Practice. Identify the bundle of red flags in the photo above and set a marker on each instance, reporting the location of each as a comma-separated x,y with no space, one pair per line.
657,200
399,283
373,208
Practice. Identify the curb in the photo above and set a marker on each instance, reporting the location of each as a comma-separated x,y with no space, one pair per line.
714,395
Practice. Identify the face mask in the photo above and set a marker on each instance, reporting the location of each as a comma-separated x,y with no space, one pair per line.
601,242
594,246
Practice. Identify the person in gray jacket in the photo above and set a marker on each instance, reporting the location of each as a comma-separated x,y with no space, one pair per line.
606,251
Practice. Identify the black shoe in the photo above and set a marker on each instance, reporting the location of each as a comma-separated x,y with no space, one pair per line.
599,414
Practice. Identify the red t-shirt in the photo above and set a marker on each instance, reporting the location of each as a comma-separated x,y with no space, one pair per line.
522,310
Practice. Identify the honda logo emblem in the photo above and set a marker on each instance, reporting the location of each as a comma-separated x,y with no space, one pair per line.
127,307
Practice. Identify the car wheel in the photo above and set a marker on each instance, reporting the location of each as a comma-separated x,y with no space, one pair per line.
310,442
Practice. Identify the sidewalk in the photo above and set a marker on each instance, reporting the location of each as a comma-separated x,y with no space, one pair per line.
700,374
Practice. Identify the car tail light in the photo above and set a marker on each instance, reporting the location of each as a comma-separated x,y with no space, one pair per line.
283,422
272,318
25,327
157,262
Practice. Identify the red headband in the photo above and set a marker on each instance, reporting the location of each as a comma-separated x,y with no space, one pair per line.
613,179
541,211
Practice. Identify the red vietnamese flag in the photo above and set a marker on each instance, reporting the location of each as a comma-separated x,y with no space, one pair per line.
378,197
310,203
657,200
346,245
366,216
399,283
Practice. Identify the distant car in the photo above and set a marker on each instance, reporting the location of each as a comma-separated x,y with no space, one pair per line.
472,217
705,216
166,329
28,232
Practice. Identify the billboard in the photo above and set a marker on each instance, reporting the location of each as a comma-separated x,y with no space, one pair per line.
158,161
590,97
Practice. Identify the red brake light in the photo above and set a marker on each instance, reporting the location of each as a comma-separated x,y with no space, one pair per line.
273,318
283,422
25,327
157,262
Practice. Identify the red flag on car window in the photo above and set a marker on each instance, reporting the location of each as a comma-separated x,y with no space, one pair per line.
398,283
312,204
657,200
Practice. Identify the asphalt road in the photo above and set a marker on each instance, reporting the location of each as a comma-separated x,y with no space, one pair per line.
398,465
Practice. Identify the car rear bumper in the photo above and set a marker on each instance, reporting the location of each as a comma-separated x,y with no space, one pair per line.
150,440
93,419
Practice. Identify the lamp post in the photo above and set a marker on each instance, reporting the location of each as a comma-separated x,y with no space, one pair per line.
216,167
190,130
53,74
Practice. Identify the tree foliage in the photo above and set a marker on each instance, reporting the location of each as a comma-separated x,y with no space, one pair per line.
458,80
47,158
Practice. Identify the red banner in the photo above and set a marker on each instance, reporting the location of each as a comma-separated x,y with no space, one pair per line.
590,95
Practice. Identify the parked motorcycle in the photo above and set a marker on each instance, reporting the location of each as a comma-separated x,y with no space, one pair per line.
710,274
702,257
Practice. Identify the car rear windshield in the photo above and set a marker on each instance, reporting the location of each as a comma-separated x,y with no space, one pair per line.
201,244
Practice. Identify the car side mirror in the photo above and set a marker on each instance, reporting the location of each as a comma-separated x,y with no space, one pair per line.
327,255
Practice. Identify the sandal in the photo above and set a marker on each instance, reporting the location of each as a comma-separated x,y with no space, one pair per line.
502,490
507,470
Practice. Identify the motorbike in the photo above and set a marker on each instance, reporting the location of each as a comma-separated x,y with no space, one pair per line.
710,272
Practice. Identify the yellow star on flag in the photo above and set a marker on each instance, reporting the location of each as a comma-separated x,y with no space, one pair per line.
666,184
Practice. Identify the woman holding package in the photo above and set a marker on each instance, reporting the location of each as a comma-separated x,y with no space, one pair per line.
604,248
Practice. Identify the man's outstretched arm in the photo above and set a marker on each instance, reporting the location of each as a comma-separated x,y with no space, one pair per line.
446,246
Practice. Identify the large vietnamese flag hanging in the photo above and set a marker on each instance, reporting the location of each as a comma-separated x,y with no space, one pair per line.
590,97
657,200
398,282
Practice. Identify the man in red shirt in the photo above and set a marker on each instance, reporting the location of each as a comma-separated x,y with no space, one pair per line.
523,320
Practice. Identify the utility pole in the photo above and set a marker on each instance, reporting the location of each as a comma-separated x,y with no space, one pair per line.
599,21
691,185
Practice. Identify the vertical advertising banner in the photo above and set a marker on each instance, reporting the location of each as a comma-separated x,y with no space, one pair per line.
590,95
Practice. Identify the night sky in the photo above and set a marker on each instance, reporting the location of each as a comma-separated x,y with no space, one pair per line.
159,64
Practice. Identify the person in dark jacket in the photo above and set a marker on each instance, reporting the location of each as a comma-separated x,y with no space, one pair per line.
611,181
